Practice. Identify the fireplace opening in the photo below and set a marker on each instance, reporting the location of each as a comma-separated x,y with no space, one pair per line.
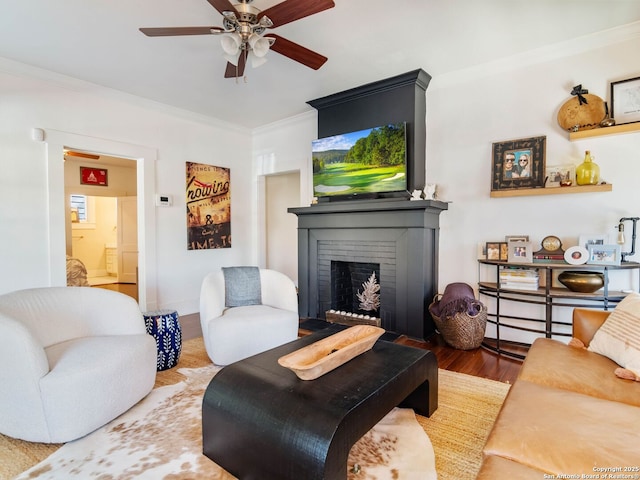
355,290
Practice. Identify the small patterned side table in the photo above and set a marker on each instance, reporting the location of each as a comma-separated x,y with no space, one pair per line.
164,325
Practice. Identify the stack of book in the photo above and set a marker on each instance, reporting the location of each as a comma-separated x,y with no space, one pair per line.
519,279
548,258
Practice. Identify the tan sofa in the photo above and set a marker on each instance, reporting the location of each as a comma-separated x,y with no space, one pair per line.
567,414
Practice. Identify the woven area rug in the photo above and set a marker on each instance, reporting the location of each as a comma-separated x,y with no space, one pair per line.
161,437
467,408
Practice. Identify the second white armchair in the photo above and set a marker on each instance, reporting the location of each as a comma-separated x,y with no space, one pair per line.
232,333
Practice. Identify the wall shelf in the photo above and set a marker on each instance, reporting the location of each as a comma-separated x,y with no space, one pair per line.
523,192
598,132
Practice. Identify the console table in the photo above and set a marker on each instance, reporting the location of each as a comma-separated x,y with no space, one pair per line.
546,295
260,421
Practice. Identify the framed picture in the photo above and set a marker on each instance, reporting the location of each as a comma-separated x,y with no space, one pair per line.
625,100
576,255
587,239
519,252
516,238
560,176
604,255
504,251
518,164
94,176
493,250
497,251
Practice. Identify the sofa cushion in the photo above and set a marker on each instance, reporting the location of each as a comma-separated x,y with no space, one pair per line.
619,337
242,286
561,432
550,362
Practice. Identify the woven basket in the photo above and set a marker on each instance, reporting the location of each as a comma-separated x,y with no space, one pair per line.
462,331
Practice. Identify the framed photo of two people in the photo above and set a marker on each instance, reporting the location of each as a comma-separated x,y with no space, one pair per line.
518,164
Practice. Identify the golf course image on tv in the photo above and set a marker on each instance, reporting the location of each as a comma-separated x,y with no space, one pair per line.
363,162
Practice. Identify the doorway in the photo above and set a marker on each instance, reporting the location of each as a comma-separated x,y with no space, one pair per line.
102,218
144,157
281,192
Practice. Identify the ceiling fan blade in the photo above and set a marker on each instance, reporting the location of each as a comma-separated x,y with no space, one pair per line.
222,5
291,10
173,31
297,52
82,155
235,72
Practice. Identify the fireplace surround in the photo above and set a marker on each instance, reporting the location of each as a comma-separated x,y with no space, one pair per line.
400,236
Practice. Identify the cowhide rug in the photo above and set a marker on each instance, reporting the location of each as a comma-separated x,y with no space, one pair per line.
161,438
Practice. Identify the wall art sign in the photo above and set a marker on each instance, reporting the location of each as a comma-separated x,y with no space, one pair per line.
94,176
518,164
208,207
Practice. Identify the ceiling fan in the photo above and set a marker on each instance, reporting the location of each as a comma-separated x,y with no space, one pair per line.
243,32
72,153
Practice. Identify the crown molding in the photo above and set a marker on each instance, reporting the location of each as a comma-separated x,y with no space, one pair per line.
585,43
11,67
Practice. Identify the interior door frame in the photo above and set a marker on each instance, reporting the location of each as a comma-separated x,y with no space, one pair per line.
56,141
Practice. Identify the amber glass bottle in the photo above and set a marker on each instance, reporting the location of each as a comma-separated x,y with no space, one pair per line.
588,172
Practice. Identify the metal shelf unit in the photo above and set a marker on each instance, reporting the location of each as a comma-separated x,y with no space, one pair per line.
547,295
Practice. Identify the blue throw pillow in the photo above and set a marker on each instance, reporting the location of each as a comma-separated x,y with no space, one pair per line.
242,286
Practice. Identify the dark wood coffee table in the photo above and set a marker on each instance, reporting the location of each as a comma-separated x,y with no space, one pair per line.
259,421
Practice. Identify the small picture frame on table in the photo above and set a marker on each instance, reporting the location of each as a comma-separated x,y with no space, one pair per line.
586,239
492,250
519,252
518,164
516,238
625,100
497,251
604,255
560,176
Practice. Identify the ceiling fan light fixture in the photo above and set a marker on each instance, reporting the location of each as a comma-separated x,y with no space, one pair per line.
231,16
232,59
266,22
231,43
259,45
256,61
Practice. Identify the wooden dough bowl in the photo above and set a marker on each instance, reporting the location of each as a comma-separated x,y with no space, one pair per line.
321,357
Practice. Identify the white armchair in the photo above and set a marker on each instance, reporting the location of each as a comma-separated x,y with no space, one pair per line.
72,359
234,333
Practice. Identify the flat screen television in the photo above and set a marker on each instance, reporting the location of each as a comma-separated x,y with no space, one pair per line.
368,162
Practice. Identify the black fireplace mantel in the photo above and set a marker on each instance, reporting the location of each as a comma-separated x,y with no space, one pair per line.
401,235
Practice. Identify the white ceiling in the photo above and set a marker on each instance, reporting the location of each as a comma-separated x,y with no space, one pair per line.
98,41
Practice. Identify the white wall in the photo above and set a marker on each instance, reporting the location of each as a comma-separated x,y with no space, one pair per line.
468,111
32,100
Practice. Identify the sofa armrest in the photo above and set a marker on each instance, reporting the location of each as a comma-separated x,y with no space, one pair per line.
212,298
24,363
278,290
587,322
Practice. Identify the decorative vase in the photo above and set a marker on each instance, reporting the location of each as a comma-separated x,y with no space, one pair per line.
584,282
588,172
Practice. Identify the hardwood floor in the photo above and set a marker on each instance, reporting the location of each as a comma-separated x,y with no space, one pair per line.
130,289
478,362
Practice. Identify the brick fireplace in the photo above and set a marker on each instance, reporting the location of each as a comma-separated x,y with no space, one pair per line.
398,237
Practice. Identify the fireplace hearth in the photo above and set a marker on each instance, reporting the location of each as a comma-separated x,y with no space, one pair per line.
399,238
